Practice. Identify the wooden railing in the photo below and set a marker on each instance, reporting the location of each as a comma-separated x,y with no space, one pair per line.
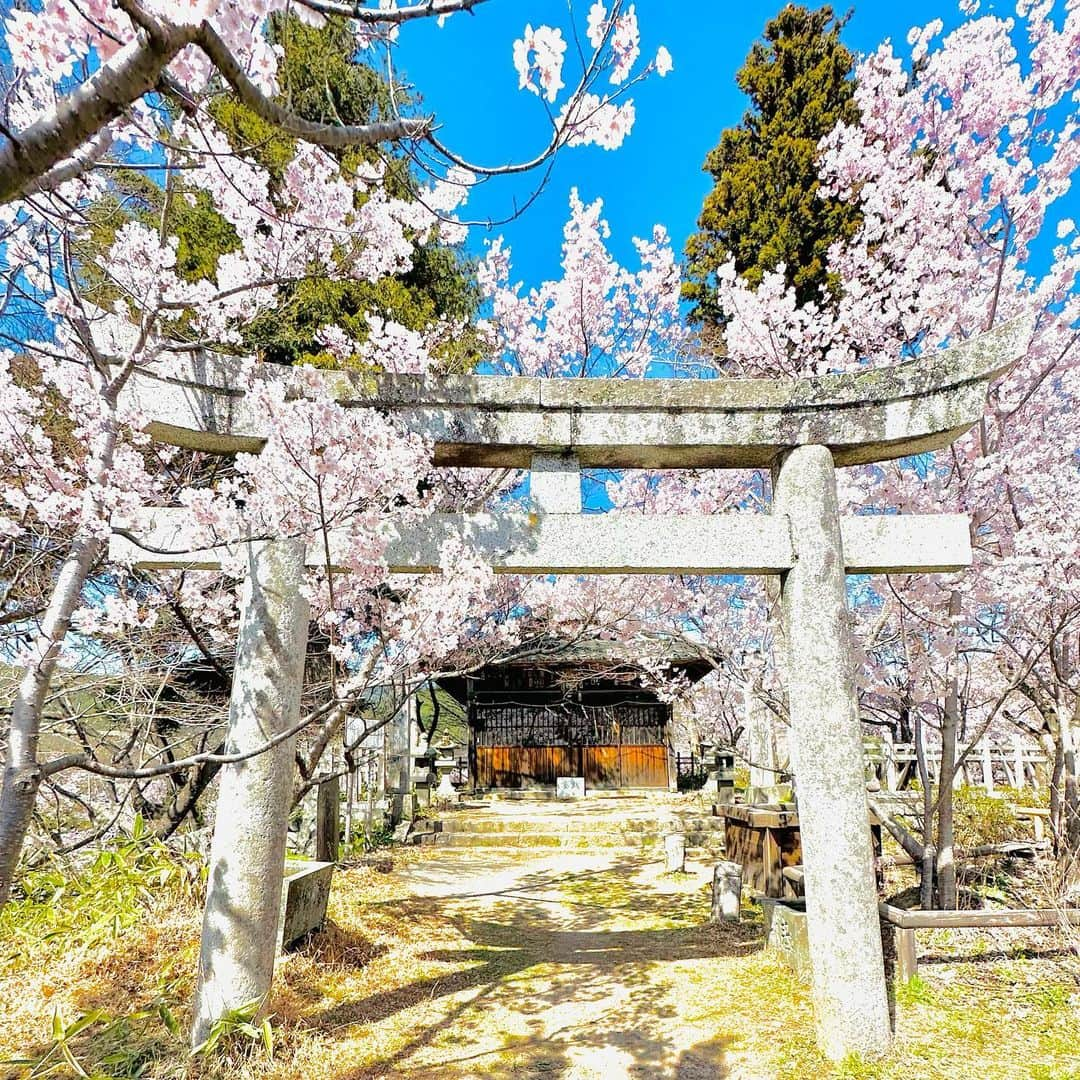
994,763
905,923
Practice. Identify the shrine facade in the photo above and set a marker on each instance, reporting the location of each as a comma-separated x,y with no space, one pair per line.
580,710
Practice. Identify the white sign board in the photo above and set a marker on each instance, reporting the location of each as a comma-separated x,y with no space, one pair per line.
570,787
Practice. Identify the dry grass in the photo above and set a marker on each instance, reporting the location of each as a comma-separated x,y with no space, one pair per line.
560,969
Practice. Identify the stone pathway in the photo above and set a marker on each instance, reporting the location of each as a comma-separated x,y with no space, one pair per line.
593,952
573,965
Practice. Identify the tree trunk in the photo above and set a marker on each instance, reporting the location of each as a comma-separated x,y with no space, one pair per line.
1052,747
946,864
22,771
1070,792
247,856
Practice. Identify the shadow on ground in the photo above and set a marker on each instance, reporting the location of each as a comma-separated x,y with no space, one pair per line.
536,978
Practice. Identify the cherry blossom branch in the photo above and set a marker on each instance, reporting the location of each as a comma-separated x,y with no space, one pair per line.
32,154
395,16
291,123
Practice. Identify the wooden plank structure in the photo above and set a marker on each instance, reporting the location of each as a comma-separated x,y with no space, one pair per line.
764,840
767,841
905,923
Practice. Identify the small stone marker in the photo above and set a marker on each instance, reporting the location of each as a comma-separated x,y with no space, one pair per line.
570,787
328,820
726,891
304,892
786,931
674,853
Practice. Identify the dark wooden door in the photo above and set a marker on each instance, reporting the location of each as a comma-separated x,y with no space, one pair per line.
523,766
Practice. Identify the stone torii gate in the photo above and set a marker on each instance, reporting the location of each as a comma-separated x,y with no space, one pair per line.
800,429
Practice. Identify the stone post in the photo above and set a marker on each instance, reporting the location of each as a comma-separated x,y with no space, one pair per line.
674,853
760,744
328,820
247,857
848,971
399,764
726,892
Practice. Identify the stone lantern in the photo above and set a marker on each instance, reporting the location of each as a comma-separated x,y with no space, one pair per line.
444,768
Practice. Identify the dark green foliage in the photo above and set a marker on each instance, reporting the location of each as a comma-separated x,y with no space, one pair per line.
764,209
320,80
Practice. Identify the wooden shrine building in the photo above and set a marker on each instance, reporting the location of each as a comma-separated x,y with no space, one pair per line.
570,709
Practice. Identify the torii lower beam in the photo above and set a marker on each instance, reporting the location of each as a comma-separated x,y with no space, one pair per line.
594,543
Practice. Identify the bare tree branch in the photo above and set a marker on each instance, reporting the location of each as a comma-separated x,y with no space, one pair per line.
41,152
425,10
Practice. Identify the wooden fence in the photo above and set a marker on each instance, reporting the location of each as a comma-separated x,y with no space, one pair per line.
991,763
905,923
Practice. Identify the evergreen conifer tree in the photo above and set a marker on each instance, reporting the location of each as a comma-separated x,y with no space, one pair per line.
764,208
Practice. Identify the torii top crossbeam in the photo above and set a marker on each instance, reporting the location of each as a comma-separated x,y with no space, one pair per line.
493,421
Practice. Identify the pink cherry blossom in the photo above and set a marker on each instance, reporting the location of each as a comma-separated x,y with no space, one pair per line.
538,60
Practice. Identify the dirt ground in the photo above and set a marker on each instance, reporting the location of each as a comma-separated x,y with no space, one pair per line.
599,967
576,966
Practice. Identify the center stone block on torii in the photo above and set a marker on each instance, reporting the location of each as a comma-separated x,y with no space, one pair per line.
800,429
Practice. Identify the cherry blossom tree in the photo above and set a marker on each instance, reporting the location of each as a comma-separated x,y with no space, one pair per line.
126,58
960,155
99,84
956,165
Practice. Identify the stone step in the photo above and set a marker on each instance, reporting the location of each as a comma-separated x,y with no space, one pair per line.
532,840
583,827
698,823
705,856
641,795
705,838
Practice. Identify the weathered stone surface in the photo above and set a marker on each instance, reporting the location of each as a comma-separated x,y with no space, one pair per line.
328,820
243,901
786,931
445,792
726,892
570,787
618,423
555,483
399,765
826,750
674,853
734,543
304,893
760,744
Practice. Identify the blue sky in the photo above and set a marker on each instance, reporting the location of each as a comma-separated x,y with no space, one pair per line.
466,77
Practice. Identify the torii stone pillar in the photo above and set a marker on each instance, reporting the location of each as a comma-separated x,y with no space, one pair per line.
847,968
247,857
